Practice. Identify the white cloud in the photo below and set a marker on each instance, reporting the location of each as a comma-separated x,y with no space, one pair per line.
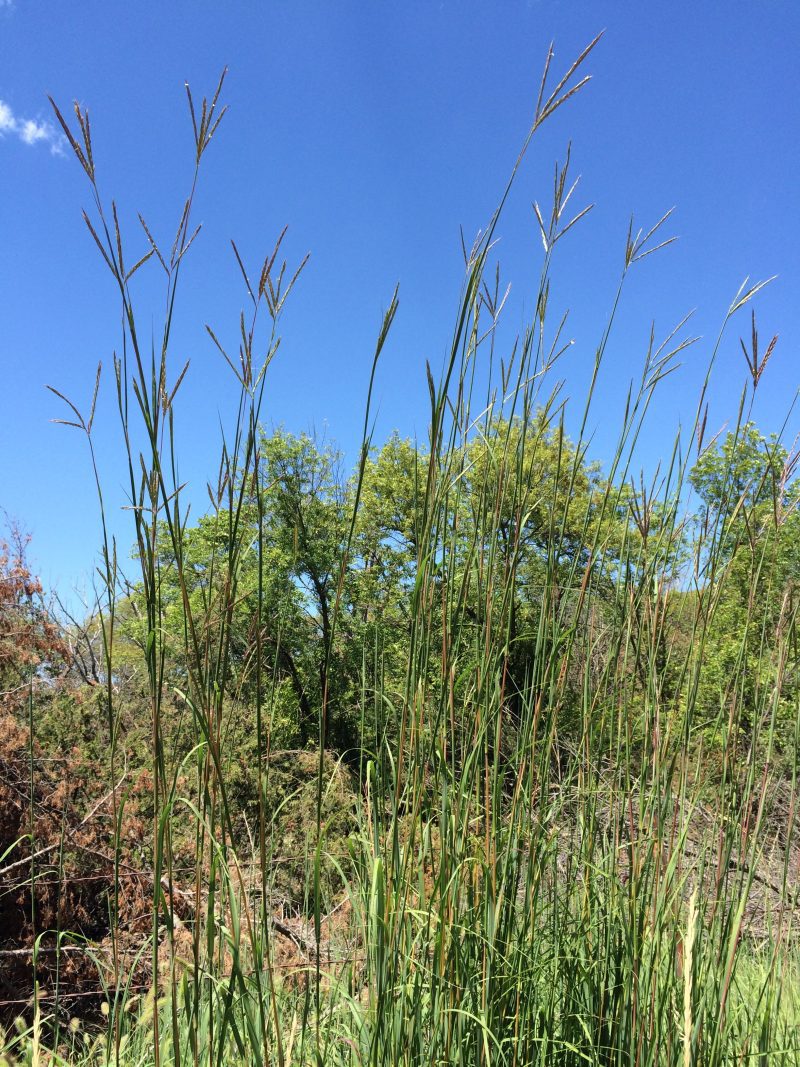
6,118
29,131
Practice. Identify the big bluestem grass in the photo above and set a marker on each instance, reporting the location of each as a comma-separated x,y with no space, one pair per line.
517,892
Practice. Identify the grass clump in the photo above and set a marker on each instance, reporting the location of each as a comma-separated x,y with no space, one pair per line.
427,769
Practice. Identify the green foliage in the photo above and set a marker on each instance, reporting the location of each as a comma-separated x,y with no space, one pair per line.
749,514
741,483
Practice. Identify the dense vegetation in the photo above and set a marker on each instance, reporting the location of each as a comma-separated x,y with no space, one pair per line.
477,753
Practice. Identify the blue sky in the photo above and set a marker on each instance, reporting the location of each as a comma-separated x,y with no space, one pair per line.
375,131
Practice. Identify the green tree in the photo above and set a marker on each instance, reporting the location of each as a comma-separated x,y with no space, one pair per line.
750,523
737,482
